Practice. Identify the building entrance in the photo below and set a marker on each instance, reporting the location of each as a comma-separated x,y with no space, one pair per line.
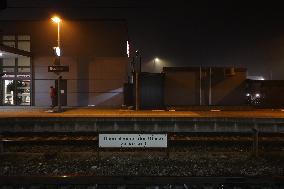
63,91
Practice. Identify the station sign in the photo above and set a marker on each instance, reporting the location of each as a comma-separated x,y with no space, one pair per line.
133,140
58,68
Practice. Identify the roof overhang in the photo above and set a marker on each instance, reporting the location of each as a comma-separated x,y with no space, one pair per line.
11,52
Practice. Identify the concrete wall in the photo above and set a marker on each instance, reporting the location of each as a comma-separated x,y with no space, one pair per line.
106,79
228,89
89,82
83,38
142,124
182,86
95,52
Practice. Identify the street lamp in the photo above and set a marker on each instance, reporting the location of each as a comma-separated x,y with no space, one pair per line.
155,60
57,20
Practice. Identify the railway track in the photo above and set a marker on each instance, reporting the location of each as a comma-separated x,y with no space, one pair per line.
44,137
9,140
123,182
266,141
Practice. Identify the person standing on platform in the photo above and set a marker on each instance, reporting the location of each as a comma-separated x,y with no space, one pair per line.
53,96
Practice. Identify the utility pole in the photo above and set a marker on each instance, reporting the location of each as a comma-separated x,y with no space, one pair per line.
58,53
140,60
137,96
200,91
210,87
137,83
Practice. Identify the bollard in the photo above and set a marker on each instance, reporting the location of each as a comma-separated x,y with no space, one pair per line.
255,142
168,146
98,153
98,147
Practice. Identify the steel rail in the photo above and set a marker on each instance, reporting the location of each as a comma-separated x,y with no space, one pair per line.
137,180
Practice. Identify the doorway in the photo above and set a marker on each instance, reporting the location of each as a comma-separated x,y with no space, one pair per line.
63,91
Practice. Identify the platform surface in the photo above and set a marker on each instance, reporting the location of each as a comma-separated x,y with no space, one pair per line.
116,113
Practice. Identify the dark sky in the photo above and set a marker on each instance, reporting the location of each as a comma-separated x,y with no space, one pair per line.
185,33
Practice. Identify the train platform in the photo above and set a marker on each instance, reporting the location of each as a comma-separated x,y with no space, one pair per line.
40,119
37,112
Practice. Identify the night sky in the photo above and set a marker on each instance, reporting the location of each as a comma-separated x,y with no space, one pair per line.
184,33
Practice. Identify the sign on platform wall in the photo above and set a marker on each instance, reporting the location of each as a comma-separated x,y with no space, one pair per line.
133,140
58,68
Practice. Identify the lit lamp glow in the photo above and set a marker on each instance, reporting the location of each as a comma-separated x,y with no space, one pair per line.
156,60
57,51
56,19
127,49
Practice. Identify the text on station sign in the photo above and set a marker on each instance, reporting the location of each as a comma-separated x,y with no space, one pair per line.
133,140
58,68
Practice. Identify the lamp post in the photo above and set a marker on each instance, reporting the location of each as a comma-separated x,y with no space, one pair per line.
57,20
137,83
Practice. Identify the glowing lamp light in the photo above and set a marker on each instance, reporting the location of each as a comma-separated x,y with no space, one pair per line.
127,49
157,59
257,95
247,94
56,19
137,52
57,51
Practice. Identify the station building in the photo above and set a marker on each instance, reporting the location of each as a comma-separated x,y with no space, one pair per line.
94,50
192,86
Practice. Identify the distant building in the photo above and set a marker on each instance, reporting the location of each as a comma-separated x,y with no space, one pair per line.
94,50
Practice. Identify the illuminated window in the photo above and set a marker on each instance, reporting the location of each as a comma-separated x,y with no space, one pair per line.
15,83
